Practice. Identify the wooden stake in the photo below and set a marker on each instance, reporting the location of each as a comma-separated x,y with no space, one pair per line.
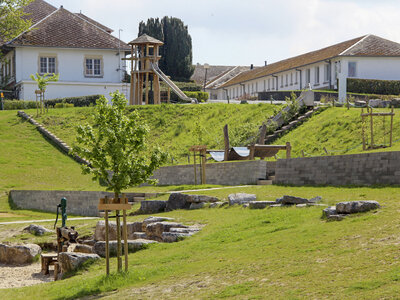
107,240
391,128
203,166
263,132
288,150
194,164
125,233
372,129
226,140
362,128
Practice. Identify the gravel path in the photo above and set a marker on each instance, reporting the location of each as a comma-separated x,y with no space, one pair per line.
19,276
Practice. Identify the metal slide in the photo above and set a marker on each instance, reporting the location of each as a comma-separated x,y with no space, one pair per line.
172,85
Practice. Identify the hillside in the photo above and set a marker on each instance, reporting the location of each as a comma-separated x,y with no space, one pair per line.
339,131
176,127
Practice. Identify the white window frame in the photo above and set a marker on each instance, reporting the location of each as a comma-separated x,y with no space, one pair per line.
291,78
47,64
308,76
326,73
93,67
352,71
316,73
286,79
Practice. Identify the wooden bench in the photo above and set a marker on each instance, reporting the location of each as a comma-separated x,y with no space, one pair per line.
48,259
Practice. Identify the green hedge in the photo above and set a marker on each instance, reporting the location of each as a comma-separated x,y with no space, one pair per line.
200,96
18,104
373,86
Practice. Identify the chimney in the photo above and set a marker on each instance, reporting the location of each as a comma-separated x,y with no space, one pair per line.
265,62
251,67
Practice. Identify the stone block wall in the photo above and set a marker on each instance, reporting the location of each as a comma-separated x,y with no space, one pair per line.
357,169
224,173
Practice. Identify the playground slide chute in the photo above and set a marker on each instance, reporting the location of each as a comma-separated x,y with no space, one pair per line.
170,83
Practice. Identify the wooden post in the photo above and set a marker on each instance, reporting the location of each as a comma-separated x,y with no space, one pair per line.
124,232
252,150
156,92
391,127
226,140
302,153
131,102
288,150
169,95
194,164
372,129
203,166
263,132
362,128
146,93
107,238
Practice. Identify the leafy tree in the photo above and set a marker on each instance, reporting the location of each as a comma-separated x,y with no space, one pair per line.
117,143
43,80
12,21
176,53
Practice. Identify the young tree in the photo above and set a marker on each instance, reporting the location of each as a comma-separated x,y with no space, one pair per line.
43,82
12,21
176,53
117,142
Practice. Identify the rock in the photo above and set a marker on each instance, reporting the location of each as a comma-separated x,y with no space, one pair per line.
178,201
83,248
279,200
133,246
290,200
70,261
302,205
352,207
100,231
201,198
360,103
37,230
139,235
316,204
245,205
241,198
315,199
133,227
155,230
395,102
152,206
88,242
216,204
172,237
190,230
335,218
260,204
329,211
19,254
197,205
152,219
375,103
276,205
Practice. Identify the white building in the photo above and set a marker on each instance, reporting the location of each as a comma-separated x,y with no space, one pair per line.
83,52
366,57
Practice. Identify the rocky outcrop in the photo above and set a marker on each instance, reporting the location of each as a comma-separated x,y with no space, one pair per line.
352,207
152,206
37,230
260,204
133,246
19,254
81,248
155,230
70,261
178,201
241,198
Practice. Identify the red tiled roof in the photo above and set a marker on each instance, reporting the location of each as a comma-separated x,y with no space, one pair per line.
38,10
67,30
90,20
373,45
294,62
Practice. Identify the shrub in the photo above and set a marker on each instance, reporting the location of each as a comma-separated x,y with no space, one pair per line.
373,86
63,105
200,96
18,104
76,101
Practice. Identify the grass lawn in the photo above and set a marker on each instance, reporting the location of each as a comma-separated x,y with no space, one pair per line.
277,253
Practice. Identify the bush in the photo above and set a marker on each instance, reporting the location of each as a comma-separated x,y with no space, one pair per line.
373,86
200,96
63,105
76,101
18,104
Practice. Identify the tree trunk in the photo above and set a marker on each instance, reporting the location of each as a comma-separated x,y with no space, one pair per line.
119,259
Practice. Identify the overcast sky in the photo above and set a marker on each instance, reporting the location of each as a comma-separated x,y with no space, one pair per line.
244,32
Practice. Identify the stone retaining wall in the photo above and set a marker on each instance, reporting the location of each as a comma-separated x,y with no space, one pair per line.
357,169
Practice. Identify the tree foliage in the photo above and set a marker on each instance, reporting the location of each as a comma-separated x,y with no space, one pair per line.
12,21
176,53
117,142
43,80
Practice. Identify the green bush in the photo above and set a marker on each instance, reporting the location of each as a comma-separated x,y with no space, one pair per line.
63,105
76,101
200,96
373,86
18,104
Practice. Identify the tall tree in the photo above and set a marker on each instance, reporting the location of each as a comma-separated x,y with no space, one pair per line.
12,21
176,54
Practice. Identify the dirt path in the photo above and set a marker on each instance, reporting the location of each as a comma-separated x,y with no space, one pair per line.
19,276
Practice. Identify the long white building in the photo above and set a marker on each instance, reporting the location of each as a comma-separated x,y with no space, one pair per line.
366,57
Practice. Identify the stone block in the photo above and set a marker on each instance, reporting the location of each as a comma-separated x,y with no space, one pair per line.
133,246
19,254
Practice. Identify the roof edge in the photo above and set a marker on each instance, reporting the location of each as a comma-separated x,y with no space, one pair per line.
355,44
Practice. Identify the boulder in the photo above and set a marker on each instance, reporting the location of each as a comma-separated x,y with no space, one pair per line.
291,200
201,198
335,217
81,248
217,204
329,211
100,231
133,246
352,207
395,102
178,201
152,206
139,235
172,237
133,227
155,230
260,204
37,229
70,261
241,198
19,254
245,205
88,242
375,103
152,219
315,199
197,205
189,230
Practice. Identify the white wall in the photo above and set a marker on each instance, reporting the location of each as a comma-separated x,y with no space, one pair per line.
385,68
70,63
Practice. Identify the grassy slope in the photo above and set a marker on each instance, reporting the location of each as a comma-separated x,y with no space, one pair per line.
339,131
175,127
279,253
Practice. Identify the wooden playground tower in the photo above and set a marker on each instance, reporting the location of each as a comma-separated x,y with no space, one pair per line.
144,56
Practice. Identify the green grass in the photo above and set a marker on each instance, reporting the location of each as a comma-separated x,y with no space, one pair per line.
176,127
281,253
339,131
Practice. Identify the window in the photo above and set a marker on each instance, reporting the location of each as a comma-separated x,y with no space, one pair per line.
269,86
287,79
93,67
47,65
265,85
281,80
291,78
296,78
326,73
308,76
316,75
256,87
352,69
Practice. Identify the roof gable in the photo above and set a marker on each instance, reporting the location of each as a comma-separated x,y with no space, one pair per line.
373,45
38,10
145,39
90,20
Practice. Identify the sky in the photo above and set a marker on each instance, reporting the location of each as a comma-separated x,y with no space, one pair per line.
244,32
